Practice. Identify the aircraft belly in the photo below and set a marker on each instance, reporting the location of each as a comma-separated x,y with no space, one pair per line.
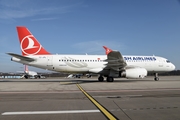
69,69
65,68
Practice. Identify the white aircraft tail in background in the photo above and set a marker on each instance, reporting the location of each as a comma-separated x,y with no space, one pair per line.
112,65
29,74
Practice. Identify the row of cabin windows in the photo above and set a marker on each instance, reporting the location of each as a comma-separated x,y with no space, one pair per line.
63,60
81,60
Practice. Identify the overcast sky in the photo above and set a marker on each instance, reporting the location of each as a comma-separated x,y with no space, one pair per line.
134,27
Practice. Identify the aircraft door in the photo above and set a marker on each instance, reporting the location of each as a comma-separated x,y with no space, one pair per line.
160,63
50,62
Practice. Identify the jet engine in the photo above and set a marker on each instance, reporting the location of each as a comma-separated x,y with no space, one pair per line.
15,59
134,73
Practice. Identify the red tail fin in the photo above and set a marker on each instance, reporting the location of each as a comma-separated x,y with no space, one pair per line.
29,44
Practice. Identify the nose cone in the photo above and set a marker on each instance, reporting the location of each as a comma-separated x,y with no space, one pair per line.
173,67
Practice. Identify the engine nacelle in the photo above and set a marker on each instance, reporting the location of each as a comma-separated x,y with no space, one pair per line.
15,59
134,73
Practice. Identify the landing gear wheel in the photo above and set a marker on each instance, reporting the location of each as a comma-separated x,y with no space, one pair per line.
38,76
26,77
100,79
156,78
110,79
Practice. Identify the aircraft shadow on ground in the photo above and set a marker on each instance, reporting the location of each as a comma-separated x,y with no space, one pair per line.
73,81
96,81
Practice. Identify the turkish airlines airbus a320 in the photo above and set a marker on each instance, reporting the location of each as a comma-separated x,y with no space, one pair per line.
112,65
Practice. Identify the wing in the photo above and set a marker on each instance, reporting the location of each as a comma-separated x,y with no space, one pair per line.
114,60
23,58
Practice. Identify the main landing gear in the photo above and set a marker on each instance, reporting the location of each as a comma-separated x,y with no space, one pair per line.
100,78
156,78
108,79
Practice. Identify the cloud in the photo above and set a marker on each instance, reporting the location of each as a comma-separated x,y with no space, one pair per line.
44,19
12,14
25,8
95,47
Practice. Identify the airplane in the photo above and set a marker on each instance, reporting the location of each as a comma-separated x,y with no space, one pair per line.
28,74
112,65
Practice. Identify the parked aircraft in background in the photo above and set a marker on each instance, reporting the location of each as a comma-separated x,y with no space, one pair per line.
112,65
30,74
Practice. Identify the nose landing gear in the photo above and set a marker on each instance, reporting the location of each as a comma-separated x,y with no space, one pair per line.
156,78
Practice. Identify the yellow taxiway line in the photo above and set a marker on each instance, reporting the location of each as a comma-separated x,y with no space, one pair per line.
109,115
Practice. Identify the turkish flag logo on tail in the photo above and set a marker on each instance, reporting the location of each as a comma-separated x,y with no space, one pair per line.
29,44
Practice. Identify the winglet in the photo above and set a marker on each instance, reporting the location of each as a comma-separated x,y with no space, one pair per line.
108,50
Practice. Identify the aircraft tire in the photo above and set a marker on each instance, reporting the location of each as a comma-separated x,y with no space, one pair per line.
26,76
100,79
156,79
110,79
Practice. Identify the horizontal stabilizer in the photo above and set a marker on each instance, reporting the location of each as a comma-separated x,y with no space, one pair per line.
21,57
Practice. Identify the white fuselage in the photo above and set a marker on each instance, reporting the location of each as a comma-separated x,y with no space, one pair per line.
84,63
31,73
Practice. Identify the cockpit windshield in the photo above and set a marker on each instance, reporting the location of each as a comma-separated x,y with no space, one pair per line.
168,61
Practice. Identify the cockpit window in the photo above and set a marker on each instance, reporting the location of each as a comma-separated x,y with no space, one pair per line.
167,61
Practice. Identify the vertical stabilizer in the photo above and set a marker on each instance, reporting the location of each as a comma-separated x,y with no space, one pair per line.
29,44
